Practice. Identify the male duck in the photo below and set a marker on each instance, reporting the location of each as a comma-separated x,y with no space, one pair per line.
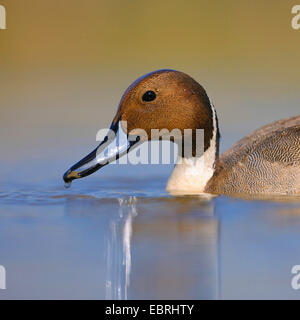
264,162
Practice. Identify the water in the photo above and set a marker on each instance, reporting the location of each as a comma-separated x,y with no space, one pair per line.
122,236
118,234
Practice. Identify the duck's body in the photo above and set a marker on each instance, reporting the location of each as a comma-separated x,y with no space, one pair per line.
264,162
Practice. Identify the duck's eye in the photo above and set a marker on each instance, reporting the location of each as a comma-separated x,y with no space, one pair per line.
149,96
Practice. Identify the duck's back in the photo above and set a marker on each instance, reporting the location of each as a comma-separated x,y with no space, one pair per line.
264,162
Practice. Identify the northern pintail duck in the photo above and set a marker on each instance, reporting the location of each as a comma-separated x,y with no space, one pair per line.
264,162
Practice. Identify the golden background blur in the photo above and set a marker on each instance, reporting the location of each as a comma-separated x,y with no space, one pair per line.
65,64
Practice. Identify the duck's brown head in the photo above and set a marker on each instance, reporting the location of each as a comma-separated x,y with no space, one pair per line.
163,99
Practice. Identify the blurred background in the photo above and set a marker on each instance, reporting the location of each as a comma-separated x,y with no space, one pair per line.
65,64
64,67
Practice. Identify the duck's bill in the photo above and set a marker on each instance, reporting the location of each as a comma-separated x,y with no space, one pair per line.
114,145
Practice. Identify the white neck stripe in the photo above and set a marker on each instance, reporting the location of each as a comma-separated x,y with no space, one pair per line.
192,175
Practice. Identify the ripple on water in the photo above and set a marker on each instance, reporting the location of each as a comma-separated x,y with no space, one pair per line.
57,196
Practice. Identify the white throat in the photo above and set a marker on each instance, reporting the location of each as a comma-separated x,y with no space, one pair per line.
190,176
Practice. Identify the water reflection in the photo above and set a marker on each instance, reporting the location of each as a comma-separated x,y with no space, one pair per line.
118,259
175,255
